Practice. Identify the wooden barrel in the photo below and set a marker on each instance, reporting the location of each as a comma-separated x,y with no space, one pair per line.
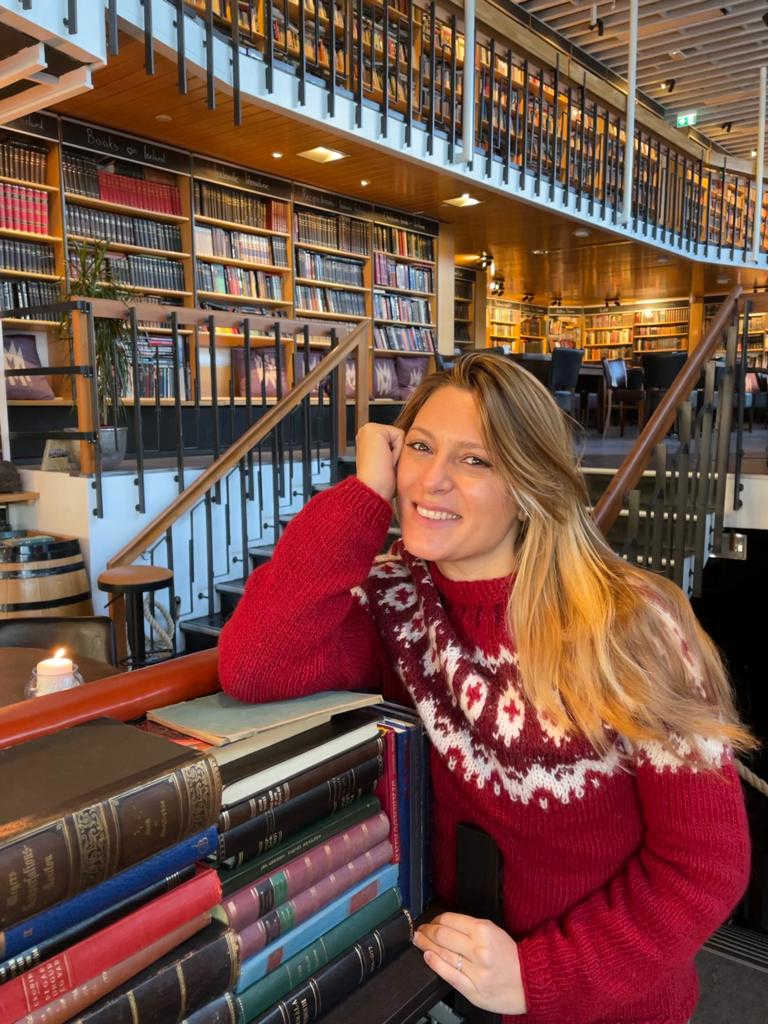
42,575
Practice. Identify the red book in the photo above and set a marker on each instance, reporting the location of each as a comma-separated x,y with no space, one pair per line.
15,211
3,206
104,949
386,791
44,223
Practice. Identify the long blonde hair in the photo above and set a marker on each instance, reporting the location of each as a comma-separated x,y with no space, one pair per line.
600,642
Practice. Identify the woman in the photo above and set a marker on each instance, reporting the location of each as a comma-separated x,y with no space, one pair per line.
577,711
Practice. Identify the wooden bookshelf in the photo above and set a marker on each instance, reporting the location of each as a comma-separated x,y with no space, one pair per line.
503,323
405,285
463,309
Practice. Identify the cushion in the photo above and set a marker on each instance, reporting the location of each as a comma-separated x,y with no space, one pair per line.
298,363
385,383
262,365
410,370
20,353
751,383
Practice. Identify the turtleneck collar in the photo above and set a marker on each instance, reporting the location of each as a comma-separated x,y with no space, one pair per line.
472,592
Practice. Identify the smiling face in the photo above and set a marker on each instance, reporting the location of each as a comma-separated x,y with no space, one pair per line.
454,507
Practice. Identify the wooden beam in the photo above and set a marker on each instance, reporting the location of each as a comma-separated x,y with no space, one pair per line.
24,64
72,83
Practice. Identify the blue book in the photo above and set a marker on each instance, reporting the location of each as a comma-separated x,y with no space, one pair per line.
299,938
87,904
403,755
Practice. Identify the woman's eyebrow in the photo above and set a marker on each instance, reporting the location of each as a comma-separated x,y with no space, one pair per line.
458,444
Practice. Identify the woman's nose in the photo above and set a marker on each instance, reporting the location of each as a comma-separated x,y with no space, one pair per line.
437,476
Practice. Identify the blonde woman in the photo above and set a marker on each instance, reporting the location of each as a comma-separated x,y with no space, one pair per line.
577,711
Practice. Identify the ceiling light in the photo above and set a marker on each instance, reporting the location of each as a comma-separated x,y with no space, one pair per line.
322,155
164,118
465,199
277,155
581,233
753,153
364,182
539,252
677,55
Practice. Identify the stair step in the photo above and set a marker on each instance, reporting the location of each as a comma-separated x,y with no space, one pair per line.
202,633
319,488
230,592
261,554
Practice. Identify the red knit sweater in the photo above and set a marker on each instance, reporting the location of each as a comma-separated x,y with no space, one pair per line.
616,867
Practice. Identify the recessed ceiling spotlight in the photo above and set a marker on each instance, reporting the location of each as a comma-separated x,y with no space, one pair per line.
539,252
753,153
581,233
322,155
465,199
677,55
277,155
164,118
364,182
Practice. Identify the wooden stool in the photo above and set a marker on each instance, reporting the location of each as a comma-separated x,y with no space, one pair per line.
132,581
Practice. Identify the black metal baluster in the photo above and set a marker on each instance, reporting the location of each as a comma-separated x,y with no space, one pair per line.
708,200
673,210
137,425
244,495
231,405
409,83
722,214
214,396
157,400
735,209
236,99
492,86
331,58
665,218
333,389
567,183
556,118
301,68
306,438
175,341
432,70
524,160
385,74
699,193
508,140
112,34
248,397
209,552
171,585
655,189
747,225
686,221
149,51
269,55
540,154
210,77
582,127
196,390
604,173
278,396
593,181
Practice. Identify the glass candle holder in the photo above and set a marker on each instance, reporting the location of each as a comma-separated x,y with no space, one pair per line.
45,680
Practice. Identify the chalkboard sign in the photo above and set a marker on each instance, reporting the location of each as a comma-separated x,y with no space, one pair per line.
406,220
240,177
124,147
43,126
330,201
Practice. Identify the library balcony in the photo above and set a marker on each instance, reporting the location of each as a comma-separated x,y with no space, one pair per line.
547,128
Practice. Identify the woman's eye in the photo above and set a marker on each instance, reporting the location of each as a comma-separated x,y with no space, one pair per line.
418,446
473,460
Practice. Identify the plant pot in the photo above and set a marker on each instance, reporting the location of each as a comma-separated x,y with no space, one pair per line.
113,442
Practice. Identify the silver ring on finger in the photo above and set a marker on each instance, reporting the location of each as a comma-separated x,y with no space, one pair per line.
459,962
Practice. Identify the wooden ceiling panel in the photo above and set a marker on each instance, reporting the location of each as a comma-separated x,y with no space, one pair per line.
580,271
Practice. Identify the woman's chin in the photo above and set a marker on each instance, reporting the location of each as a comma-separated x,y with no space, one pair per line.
430,549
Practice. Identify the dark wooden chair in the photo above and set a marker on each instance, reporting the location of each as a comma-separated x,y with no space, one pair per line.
659,372
621,393
564,378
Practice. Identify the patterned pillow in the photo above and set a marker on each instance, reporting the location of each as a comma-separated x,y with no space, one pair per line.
384,378
411,370
20,354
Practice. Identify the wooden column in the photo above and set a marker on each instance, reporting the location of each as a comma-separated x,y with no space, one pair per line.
446,291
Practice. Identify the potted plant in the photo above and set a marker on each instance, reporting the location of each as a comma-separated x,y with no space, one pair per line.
91,278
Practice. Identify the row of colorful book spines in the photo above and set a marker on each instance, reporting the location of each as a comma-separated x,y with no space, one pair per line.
122,229
330,300
23,209
403,242
406,339
84,177
389,272
238,245
333,231
401,307
216,277
329,268
142,271
17,255
23,160
240,207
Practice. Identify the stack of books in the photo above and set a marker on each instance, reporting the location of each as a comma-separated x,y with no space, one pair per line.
103,829
312,868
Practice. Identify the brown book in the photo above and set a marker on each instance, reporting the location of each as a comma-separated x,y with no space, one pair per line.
90,801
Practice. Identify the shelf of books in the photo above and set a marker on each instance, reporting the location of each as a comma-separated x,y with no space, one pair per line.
661,330
564,329
404,284
533,332
757,339
463,309
608,336
503,323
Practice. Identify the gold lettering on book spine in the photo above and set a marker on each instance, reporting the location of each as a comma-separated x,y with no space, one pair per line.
202,782
93,840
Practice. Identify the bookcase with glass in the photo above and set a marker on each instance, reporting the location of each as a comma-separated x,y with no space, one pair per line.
464,309
32,264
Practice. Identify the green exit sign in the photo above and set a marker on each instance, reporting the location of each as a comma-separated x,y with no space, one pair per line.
687,120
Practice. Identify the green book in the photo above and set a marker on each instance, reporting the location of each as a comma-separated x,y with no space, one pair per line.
235,878
265,993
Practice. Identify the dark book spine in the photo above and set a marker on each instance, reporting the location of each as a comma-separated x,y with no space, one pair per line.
185,980
338,979
46,864
219,1011
36,954
266,830
268,799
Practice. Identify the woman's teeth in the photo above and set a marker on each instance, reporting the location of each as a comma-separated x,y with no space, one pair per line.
428,513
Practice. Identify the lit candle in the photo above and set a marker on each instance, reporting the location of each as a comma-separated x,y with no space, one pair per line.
55,673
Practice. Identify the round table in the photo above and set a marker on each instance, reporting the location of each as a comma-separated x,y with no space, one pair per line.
16,664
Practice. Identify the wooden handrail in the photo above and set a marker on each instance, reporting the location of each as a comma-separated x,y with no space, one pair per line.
631,469
357,338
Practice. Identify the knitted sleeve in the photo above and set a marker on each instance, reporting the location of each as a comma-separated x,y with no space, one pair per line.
670,896
680,885
297,629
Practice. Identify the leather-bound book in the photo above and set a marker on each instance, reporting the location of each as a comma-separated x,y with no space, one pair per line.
90,801
219,1011
336,980
185,980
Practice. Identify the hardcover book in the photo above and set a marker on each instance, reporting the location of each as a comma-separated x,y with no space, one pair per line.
88,802
220,719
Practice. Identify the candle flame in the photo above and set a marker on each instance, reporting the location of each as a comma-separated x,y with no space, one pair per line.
60,653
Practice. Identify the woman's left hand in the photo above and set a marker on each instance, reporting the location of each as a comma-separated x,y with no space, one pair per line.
478,958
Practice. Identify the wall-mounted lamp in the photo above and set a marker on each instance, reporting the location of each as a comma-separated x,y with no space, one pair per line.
485,260
555,301
497,285
726,127
668,85
527,297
